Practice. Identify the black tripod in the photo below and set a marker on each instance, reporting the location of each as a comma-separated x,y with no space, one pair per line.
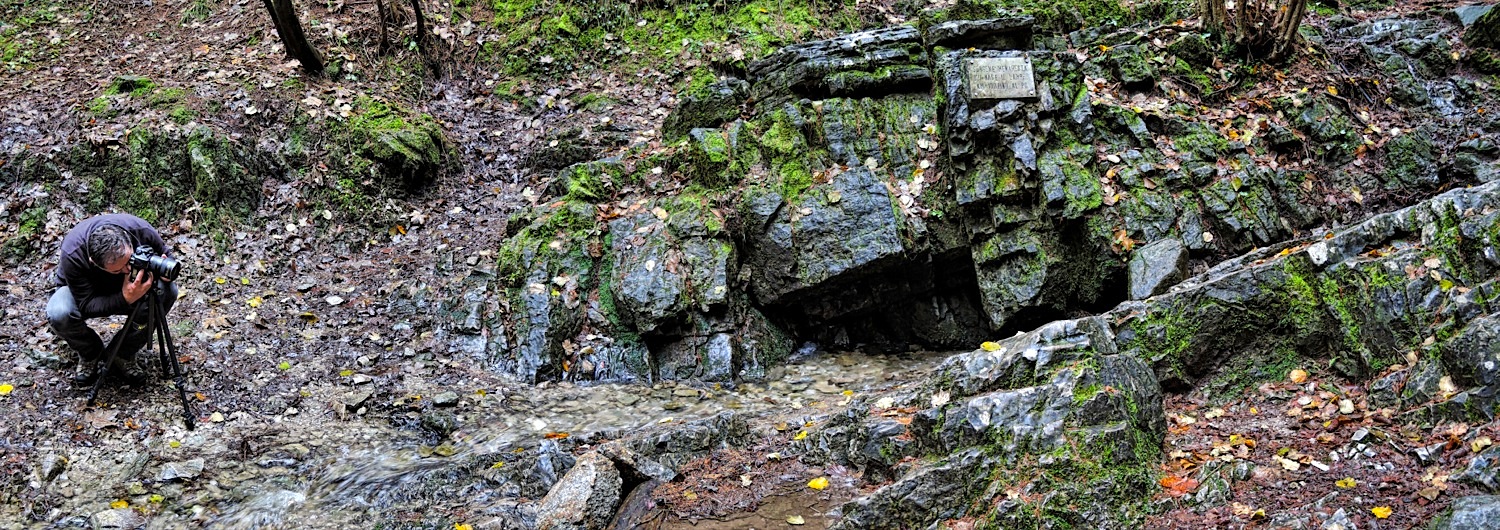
157,322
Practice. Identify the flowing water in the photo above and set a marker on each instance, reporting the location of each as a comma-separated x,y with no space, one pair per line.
354,474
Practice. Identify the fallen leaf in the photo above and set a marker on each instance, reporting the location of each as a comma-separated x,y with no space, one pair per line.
1298,376
939,399
795,520
119,504
989,346
555,435
1477,445
1381,512
6,389
818,483
1346,483
800,435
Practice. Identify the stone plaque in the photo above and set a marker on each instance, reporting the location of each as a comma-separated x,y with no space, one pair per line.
1000,78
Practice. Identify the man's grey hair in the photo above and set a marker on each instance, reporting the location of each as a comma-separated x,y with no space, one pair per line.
108,243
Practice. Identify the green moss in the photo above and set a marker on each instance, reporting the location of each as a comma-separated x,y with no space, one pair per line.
1201,141
18,245
383,150
134,85
182,115
166,96
557,233
551,37
1163,336
101,108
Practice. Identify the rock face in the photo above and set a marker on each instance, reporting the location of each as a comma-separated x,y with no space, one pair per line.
1470,513
1057,409
861,196
585,498
1155,267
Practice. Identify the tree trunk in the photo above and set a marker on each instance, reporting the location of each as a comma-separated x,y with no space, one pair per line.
416,6
385,42
1286,26
289,28
1214,14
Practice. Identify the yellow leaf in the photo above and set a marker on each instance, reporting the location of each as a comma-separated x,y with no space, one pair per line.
1480,443
800,435
990,346
795,520
119,504
254,302
848,392
497,465
818,483
156,498
174,444
346,373
220,280
6,389
1381,512
244,281
1345,483
461,526
1335,92
690,495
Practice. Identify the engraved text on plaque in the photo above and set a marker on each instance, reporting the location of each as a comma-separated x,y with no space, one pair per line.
1000,78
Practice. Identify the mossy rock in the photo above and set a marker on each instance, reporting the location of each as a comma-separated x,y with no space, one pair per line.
162,176
1193,48
711,105
397,150
590,181
134,85
1410,161
711,154
1483,60
1485,32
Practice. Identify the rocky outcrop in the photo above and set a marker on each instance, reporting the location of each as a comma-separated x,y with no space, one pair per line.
863,196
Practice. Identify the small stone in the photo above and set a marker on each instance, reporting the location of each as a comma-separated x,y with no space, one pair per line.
445,399
672,405
181,470
360,379
216,417
120,518
685,392
827,388
1359,434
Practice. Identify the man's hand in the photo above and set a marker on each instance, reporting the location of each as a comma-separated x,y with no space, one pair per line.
136,285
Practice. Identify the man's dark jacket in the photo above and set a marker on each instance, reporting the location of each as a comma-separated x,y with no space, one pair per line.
96,291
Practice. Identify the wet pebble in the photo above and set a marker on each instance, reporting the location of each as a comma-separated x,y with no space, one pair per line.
121,518
181,470
445,399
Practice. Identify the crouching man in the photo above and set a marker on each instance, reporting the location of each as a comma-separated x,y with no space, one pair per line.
94,279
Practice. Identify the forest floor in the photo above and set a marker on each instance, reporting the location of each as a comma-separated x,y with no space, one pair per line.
276,329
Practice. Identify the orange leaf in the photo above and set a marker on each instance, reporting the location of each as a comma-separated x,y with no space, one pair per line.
555,435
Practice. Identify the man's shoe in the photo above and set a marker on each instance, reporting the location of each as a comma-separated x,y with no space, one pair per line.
128,372
85,376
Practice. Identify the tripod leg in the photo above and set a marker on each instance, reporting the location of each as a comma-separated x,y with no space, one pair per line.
174,369
109,358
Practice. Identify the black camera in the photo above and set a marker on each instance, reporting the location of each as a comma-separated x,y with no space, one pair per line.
162,267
